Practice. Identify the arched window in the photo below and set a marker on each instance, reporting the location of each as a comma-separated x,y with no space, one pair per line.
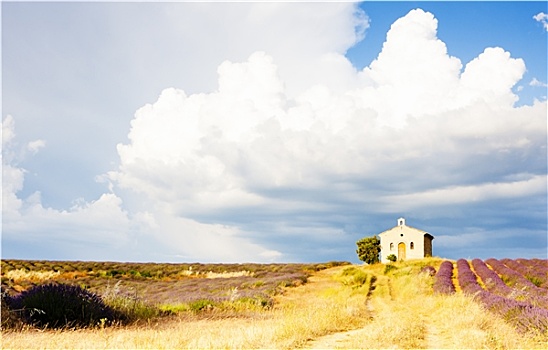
391,246
412,245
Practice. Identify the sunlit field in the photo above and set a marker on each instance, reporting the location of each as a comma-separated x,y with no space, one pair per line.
332,305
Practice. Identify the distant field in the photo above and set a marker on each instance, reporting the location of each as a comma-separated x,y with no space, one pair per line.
162,283
429,303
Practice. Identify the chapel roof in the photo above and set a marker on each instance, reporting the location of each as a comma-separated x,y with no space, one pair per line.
401,224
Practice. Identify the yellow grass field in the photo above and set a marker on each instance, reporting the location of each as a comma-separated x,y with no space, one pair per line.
342,307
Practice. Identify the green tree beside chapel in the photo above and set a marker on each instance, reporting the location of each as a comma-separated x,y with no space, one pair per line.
369,249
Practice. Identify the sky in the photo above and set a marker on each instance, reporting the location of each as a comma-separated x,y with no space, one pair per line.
272,132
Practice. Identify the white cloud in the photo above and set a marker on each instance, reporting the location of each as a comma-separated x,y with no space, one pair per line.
26,219
8,131
491,76
34,146
412,116
105,228
12,174
207,242
537,83
12,182
542,18
414,75
413,69
300,36
293,139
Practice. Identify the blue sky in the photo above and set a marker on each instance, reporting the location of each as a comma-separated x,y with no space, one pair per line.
271,131
467,27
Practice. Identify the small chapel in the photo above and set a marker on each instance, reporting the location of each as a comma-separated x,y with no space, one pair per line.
405,242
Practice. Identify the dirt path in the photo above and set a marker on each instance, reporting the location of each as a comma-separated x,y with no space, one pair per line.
432,338
338,339
350,338
333,341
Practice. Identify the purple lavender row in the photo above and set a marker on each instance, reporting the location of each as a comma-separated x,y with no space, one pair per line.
467,279
526,289
443,279
494,284
523,269
524,316
542,266
536,271
533,262
491,280
515,279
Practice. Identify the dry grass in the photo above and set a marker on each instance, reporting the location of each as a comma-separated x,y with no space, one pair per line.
401,312
408,315
211,274
33,276
322,306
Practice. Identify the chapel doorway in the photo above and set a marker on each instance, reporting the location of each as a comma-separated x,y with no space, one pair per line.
401,251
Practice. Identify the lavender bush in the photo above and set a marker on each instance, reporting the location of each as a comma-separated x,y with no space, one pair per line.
536,272
490,279
542,267
513,278
428,270
467,279
524,288
61,305
524,316
531,292
443,279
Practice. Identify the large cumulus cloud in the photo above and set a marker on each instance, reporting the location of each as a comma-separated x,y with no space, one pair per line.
296,153
416,129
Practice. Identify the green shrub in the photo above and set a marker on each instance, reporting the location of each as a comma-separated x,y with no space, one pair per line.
258,284
349,271
114,273
389,267
535,280
128,304
507,280
254,303
133,309
392,258
68,268
146,274
354,277
199,305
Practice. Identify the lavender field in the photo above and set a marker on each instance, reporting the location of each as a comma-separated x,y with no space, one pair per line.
163,283
514,289
429,303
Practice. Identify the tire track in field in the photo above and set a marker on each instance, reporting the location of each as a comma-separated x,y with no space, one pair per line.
336,340
431,336
333,341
